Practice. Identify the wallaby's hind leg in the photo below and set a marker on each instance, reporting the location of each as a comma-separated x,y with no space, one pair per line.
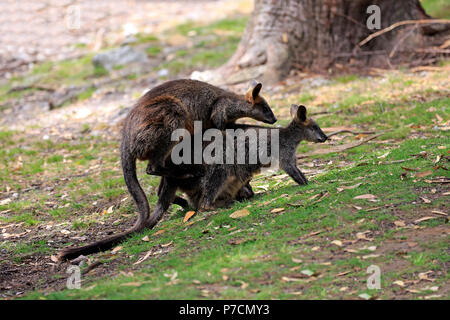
181,202
295,173
166,195
175,171
177,200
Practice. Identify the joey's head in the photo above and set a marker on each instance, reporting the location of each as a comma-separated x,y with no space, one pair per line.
260,109
310,130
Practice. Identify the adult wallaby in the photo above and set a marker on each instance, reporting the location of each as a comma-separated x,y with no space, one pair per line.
147,136
223,183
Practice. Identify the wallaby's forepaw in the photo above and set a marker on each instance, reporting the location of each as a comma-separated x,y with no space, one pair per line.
207,207
245,193
304,182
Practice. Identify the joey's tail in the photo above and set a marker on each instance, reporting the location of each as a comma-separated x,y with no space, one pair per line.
129,172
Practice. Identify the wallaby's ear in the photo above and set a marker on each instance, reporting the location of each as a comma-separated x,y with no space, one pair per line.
294,109
301,113
253,90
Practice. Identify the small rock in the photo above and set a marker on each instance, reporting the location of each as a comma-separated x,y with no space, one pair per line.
119,56
163,73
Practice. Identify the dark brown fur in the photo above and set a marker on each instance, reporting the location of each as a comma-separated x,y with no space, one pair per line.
147,136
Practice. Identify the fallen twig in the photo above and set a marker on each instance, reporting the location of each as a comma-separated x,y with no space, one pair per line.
320,112
91,266
349,131
401,23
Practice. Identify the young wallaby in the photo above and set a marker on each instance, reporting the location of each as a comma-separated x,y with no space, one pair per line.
223,183
147,135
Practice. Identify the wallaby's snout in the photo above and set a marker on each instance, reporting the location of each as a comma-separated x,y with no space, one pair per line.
317,132
323,138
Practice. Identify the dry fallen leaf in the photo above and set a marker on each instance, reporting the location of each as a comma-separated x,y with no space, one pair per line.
116,249
425,200
399,223
314,196
307,272
276,210
362,236
295,260
5,201
240,213
159,232
370,256
110,209
399,283
290,279
145,239
424,276
164,245
424,219
424,174
337,242
340,189
439,213
244,285
131,284
365,296
143,258
188,215
433,296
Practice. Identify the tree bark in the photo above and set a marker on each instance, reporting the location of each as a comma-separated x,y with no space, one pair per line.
282,35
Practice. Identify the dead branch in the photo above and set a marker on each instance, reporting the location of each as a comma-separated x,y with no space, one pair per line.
402,23
91,267
320,112
401,41
340,148
349,131
396,161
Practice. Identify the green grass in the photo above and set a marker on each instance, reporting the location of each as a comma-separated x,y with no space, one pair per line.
214,45
19,250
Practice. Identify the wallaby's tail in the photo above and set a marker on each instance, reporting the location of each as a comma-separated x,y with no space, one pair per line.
129,172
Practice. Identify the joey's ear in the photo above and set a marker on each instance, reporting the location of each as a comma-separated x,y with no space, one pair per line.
301,113
294,109
253,90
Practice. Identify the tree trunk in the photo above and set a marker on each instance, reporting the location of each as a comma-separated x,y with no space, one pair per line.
282,35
